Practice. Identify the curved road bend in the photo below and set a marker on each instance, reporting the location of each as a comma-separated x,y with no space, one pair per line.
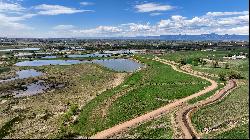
148,116
184,115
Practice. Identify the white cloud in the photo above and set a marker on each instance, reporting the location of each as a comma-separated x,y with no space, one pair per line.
133,27
12,23
164,23
227,13
10,7
101,30
152,7
175,24
57,9
84,3
13,17
63,27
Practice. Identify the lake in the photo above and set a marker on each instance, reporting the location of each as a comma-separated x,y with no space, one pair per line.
120,65
23,49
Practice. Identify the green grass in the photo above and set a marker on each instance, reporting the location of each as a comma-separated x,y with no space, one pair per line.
234,106
240,132
66,132
159,128
190,55
205,96
4,69
151,88
7,127
240,66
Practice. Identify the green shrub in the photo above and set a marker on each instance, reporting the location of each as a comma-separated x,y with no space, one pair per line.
235,75
222,76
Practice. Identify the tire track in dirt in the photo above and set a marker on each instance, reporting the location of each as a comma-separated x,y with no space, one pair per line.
151,115
184,115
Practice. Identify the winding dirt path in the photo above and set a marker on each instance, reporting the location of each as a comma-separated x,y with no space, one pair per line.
125,125
184,115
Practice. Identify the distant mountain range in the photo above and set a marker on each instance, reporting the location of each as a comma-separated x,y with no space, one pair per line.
202,37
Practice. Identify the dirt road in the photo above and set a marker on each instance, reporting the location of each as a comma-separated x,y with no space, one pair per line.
184,115
125,125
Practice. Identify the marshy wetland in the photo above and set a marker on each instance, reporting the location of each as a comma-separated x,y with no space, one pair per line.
35,94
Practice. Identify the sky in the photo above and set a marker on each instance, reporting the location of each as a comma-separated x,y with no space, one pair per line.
121,18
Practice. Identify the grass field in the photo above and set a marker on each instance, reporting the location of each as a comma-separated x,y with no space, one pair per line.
159,128
190,55
205,96
240,132
239,66
234,107
155,86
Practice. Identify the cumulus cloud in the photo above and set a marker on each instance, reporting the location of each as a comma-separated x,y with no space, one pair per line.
13,16
101,30
152,7
57,9
224,24
211,22
10,7
12,23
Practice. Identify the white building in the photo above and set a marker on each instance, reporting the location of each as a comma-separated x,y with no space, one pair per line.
234,57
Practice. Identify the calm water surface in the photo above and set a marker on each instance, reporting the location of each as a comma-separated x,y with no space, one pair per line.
23,49
32,89
24,74
114,64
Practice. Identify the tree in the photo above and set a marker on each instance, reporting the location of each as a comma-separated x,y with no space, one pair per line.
222,76
196,61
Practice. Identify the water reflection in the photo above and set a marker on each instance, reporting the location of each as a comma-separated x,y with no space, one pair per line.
24,74
126,65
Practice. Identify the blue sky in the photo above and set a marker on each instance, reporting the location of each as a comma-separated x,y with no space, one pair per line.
98,18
